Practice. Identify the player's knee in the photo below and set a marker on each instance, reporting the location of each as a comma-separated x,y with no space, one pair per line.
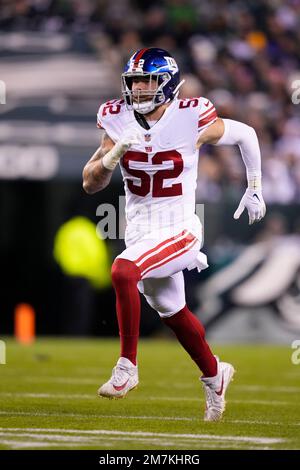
124,270
184,316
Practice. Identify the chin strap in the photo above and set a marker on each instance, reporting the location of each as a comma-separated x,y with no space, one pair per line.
141,120
176,91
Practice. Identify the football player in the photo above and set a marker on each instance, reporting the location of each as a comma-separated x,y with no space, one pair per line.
155,138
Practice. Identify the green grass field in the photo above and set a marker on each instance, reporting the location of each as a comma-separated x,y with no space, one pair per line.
49,401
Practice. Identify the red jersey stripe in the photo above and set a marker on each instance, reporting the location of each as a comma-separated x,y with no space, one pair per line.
158,246
170,259
177,245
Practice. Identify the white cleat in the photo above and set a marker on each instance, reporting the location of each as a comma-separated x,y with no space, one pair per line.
123,379
215,389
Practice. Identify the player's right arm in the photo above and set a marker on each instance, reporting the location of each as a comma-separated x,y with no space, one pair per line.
98,170
95,176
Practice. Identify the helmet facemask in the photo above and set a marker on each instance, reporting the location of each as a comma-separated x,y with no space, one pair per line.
135,100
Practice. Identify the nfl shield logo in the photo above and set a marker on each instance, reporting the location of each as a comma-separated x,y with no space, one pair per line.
147,137
148,149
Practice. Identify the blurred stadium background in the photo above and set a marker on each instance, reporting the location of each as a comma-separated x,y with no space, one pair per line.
59,60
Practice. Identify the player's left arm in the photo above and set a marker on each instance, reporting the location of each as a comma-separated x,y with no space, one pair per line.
229,132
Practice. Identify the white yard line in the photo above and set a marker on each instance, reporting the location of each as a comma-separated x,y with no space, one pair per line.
84,439
46,437
136,434
231,400
143,418
60,396
240,388
108,442
265,388
82,396
264,423
105,442
29,444
64,380
161,383
82,415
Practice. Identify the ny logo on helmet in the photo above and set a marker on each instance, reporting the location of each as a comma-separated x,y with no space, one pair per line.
172,64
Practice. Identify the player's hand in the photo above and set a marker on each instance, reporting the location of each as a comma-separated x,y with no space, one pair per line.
131,136
254,203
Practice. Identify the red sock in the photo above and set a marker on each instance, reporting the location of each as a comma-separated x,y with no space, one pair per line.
191,335
125,276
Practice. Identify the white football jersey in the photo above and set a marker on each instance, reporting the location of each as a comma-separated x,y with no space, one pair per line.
160,173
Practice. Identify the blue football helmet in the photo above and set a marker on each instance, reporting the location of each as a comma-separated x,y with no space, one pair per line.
156,65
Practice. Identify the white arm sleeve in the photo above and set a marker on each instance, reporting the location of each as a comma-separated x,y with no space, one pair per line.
238,133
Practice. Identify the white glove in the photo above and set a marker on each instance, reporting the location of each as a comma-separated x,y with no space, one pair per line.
254,203
131,136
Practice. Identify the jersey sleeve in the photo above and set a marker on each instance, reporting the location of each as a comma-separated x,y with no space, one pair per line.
99,122
108,117
207,114
104,115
